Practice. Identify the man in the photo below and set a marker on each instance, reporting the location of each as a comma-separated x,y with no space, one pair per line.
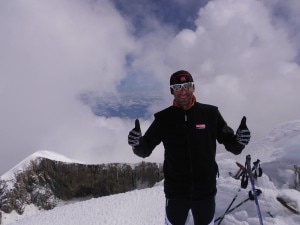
189,131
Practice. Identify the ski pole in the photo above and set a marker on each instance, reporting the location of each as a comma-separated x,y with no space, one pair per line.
235,207
249,171
258,192
228,208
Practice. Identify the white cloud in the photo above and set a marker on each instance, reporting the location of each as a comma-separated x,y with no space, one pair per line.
241,60
52,51
243,57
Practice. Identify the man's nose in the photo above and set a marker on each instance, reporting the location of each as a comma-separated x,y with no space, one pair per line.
183,91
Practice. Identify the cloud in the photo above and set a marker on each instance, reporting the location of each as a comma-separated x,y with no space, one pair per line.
51,52
241,59
244,57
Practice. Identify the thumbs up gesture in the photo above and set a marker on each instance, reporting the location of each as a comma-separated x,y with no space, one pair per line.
135,134
243,134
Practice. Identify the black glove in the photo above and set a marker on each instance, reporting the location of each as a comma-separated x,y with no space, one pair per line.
243,133
135,134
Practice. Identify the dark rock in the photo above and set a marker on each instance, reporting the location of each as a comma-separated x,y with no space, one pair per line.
44,182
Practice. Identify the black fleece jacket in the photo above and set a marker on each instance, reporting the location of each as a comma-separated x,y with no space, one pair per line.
189,138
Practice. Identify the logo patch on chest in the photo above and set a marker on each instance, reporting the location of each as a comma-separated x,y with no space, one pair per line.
200,126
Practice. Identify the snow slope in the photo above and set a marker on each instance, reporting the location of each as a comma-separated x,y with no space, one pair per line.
277,152
41,154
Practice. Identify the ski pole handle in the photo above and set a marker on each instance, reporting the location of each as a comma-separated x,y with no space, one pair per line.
249,171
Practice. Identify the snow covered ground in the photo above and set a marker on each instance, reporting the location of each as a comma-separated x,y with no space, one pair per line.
278,152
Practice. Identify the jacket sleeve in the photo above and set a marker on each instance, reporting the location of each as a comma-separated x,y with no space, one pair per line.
149,141
226,136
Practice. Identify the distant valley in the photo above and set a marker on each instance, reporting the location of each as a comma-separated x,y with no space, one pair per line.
128,105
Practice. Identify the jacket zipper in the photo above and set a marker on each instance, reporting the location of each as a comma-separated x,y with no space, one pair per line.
190,155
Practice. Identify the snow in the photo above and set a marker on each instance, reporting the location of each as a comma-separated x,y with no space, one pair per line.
40,154
278,155
10,175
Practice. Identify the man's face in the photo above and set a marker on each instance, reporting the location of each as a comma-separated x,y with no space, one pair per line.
184,94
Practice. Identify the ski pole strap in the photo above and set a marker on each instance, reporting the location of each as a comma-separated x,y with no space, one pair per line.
244,181
256,172
256,169
241,171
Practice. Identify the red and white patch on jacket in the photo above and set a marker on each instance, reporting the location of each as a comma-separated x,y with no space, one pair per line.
200,126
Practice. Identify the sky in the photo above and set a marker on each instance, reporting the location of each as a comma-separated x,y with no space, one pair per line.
244,57
277,157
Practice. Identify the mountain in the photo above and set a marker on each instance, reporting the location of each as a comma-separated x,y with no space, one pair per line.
45,179
277,153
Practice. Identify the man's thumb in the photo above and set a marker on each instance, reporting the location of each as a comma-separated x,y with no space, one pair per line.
137,125
243,123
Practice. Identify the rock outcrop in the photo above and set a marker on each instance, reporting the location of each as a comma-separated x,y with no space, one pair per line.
44,182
